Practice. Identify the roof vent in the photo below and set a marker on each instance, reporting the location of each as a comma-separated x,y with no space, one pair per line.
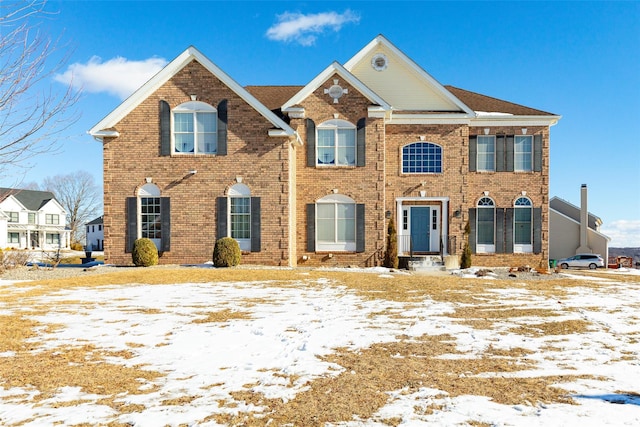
379,62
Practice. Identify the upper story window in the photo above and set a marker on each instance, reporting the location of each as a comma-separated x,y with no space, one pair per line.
336,143
523,153
195,128
486,153
506,153
14,216
32,218
52,219
422,157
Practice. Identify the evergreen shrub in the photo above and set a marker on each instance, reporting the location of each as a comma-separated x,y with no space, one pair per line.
226,252
144,253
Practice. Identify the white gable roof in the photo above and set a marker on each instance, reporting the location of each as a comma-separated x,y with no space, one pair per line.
169,71
320,79
403,83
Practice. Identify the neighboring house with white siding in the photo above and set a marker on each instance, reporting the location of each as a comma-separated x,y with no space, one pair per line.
95,235
32,219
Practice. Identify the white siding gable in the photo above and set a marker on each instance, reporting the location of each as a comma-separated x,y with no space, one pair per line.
403,84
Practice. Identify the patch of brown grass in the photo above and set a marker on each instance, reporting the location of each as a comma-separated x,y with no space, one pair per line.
83,367
565,327
361,389
223,316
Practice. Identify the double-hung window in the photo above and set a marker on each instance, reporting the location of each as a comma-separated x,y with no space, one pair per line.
240,215
53,239
422,157
195,128
336,143
522,225
523,153
13,237
486,153
335,224
486,226
52,219
13,216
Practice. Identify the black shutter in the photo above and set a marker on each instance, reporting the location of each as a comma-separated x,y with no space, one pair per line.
311,227
500,149
222,128
537,153
472,227
508,231
473,153
537,230
500,243
255,225
508,153
360,141
311,143
132,222
360,227
165,225
165,128
221,218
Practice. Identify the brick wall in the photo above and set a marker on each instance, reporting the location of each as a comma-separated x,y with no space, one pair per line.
260,160
362,184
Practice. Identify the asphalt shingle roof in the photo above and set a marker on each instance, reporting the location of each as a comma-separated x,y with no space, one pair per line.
30,199
273,97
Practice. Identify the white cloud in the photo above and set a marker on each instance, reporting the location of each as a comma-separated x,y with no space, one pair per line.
304,29
117,76
624,233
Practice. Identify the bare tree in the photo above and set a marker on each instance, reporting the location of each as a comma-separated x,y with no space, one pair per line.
32,112
80,197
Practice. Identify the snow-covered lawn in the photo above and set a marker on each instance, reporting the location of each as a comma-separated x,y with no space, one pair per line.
218,351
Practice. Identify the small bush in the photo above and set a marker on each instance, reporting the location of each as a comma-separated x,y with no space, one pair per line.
226,253
12,258
76,246
144,253
391,255
465,259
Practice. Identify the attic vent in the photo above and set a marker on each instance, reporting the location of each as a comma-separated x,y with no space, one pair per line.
379,62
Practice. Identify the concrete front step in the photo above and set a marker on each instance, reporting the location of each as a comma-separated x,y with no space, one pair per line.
425,263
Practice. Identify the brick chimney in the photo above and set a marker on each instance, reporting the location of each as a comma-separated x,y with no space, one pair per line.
584,222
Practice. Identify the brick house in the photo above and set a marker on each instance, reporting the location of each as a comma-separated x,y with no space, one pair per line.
312,174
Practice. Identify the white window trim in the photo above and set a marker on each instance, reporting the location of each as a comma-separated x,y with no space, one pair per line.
239,191
335,125
478,169
148,191
528,247
483,248
192,107
515,153
335,246
402,169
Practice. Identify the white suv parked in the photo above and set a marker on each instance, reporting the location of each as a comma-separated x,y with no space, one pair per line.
591,261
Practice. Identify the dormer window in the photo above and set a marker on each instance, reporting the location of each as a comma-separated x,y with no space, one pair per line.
195,128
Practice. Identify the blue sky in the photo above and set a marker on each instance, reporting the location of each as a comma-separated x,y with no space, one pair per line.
580,60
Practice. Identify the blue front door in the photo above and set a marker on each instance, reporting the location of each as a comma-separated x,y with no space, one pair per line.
420,228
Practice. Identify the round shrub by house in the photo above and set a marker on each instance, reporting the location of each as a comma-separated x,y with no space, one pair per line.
144,253
226,252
